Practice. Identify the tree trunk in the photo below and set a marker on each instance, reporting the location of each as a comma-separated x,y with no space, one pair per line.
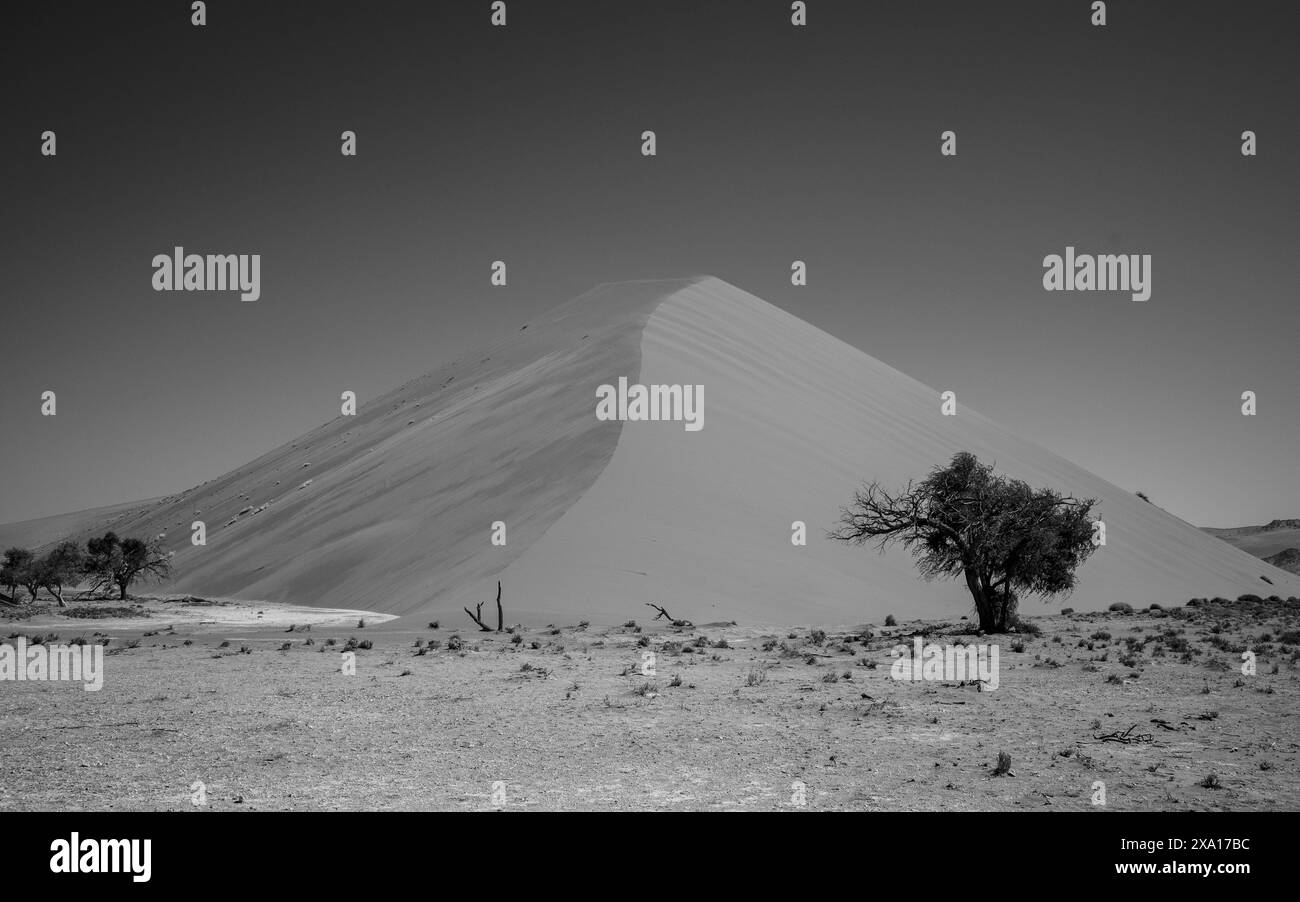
58,595
121,591
983,603
1006,608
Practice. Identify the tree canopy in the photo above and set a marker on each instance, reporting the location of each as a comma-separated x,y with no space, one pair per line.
1004,537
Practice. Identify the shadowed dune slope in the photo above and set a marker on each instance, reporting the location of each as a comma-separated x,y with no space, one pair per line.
392,508
605,516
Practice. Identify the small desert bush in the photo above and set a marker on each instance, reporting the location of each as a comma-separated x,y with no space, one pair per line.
1028,627
1121,607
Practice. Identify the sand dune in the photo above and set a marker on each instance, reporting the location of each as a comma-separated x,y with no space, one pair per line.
391,510
47,530
795,419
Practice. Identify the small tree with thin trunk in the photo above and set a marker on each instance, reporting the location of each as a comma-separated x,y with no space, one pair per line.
17,570
1004,537
32,577
63,566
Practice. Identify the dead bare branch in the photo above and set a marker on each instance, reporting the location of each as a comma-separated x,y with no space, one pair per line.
663,614
478,618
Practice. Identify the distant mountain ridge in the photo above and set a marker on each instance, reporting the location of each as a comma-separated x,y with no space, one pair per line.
1271,526
1288,559
1265,542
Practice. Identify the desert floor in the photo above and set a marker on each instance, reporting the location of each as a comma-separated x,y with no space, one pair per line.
732,718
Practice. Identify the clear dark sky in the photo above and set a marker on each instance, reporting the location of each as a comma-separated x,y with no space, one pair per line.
523,144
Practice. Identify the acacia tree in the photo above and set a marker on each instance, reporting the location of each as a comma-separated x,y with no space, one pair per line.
22,568
111,561
1006,538
16,570
63,566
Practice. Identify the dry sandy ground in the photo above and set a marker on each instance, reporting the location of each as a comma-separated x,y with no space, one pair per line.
563,719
